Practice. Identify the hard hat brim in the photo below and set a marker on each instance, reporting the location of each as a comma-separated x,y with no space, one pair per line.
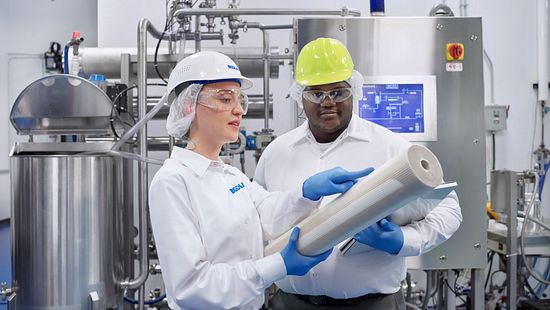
322,79
246,83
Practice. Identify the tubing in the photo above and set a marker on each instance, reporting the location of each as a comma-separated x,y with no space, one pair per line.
132,131
106,61
136,157
147,302
491,74
542,49
463,8
181,13
144,26
542,179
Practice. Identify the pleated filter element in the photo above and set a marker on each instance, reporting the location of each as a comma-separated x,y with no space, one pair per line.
402,179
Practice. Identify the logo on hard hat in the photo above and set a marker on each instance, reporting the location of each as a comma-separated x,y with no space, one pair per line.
233,67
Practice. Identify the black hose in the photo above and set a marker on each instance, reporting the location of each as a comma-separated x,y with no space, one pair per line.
115,110
147,302
490,260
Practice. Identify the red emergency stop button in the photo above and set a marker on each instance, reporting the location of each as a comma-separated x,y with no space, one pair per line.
76,35
455,51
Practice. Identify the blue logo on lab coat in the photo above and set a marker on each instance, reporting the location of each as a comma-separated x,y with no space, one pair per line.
236,188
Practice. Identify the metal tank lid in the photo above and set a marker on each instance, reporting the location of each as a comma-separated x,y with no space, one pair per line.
61,149
61,104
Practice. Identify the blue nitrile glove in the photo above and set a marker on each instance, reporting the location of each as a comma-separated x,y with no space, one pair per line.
384,236
296,263
332,181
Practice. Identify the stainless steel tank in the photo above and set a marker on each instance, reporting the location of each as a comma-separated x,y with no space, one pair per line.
71,225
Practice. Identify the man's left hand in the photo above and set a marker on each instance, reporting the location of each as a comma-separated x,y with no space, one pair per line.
383,235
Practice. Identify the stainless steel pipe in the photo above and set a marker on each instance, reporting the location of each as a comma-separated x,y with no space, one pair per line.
256,107
181,13
266,77
107,61
144,27
266,60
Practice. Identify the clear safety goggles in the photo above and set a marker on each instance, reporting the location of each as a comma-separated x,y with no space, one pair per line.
336,95
223,99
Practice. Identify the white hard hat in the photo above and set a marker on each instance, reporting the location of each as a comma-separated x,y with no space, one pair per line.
205,67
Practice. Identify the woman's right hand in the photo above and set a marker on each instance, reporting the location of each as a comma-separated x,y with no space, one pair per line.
296,263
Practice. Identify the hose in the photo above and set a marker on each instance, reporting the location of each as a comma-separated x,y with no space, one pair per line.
135,157
542,178
540,288
540,223
127,155
130,133
147,302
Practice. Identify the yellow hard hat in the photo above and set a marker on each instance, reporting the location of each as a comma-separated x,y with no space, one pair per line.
323,61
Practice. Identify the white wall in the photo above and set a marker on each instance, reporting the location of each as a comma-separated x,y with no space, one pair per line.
510,29
26,30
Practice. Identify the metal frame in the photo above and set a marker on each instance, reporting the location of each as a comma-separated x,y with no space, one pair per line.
507,197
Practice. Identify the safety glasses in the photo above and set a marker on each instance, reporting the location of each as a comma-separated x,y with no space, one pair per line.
336,95
223,99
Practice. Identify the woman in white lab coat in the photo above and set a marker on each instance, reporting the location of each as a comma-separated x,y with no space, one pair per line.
209,221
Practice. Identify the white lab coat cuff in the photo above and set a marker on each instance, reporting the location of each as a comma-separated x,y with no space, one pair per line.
412,242
298,195
271,268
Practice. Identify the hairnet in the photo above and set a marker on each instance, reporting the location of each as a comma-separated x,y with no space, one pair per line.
355,81
182,111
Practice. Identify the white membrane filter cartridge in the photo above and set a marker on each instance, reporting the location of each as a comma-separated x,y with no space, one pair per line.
402,179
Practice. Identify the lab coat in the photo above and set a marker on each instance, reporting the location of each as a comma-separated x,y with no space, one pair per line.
296,155
209,222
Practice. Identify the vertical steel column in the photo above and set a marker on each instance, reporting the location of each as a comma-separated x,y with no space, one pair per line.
267,73
142,174
512,242
450,295
477,292
125,78
197,33
143,27
125,72
440,289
